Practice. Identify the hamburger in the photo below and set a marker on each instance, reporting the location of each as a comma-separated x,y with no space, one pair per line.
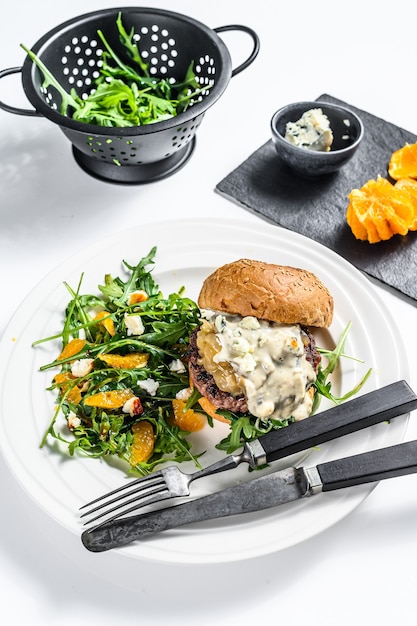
254,351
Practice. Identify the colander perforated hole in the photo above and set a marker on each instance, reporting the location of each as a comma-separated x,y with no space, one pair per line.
81,62
205,72
183,135
157,48
117,149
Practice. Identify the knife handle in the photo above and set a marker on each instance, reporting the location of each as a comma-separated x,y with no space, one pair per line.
372,408
369,467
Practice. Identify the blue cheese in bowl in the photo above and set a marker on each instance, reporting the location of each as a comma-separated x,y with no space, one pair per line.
265,360
312,131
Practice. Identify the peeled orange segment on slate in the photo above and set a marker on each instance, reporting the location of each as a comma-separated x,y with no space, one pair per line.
403,162
409,185
379,210
143,442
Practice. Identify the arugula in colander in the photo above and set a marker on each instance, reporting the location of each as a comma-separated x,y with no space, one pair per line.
124,95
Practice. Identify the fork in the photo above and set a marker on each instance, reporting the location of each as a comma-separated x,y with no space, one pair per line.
369,409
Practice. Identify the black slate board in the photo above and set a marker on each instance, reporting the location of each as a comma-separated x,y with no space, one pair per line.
317,207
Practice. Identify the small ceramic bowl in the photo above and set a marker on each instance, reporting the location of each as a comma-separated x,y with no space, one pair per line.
347,131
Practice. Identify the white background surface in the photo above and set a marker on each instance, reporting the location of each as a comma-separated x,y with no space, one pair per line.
361,570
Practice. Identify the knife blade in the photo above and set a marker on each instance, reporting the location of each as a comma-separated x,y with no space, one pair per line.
261,493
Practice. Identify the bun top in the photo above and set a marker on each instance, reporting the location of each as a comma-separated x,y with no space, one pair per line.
277,293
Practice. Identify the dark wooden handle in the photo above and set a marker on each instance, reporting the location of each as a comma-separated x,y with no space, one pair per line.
369,467
372,408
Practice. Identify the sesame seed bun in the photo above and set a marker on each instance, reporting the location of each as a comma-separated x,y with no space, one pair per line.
277,293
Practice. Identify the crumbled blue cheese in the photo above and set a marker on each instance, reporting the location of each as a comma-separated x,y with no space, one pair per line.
149,385
184,394
81,367
134,324
131,406
312,131
270,360
177,366
73,420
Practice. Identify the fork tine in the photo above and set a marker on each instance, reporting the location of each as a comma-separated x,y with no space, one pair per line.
144,481
141,491
139,502
149,491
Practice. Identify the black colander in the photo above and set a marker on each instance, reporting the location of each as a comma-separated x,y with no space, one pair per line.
168,42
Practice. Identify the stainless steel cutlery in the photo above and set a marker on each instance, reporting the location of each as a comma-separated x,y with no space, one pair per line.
260,493
369,409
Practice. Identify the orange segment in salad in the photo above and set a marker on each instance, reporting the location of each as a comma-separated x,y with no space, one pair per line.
109,399
103,317
210,409
72,348
135,360
189,420
143,442
65,380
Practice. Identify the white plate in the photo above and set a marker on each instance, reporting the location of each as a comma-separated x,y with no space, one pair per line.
187,252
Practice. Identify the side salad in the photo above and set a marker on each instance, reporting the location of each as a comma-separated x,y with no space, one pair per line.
120,381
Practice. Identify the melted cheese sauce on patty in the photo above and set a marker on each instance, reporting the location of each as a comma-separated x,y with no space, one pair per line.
263,360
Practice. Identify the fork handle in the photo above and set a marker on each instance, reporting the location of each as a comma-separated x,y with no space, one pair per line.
372,408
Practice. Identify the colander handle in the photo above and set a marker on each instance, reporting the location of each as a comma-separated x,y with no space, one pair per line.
8,107
255,39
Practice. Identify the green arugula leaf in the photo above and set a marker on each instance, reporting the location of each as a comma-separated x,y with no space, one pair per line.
129,43
68,100
124,96
323,385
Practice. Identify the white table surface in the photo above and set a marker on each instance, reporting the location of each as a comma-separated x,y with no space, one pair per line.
363,570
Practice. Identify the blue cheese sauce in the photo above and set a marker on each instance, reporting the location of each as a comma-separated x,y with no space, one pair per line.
264,360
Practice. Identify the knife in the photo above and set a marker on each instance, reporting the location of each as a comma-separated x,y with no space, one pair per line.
258,494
